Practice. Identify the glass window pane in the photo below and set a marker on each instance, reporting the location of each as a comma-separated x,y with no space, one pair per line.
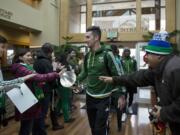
77,16
119,15
148,15
83,22
153,15
163,19
83,8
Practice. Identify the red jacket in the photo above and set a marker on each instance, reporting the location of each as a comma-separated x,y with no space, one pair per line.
20,71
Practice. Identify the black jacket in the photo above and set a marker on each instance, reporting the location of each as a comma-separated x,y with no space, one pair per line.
166,80
43,65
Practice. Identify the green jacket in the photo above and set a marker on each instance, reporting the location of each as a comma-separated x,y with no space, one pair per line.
96,66
129,65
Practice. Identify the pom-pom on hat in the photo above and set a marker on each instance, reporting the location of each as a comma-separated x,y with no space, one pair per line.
159,45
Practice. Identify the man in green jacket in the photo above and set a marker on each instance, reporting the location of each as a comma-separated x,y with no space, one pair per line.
130,66
98,61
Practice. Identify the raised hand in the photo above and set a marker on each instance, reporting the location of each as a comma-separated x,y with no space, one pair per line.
62,71
60,66
76,89
156,111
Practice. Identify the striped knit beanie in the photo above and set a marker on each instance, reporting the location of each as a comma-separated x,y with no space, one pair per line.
159,45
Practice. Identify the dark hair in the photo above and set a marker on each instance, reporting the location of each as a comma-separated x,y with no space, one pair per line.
20,52
47,48
95,30
62,58
115,49
69,50
126,49
3,39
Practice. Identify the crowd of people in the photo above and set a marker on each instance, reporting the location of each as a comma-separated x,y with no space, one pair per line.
111,80
43,80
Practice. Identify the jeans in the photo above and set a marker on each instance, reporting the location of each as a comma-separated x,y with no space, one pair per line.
36,125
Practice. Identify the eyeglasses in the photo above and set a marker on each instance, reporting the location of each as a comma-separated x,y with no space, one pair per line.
147,53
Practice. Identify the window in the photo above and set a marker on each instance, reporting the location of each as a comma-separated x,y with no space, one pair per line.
77,18
153,15
117,15
83,19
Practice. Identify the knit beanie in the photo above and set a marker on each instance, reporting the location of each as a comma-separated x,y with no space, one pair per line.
159,45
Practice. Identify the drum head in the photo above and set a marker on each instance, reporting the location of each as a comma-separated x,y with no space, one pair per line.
67,79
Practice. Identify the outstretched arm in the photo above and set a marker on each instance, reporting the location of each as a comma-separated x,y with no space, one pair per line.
106,79
137,79
13,83
22,71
